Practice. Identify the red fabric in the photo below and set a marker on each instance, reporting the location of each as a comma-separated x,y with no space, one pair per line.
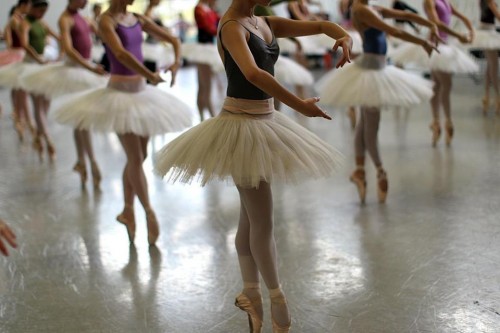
206,19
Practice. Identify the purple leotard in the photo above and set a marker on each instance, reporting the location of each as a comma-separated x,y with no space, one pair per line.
80,35
443,10
131,38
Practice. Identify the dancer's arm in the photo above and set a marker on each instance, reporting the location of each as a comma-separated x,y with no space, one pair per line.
466,21
6,234
65,25
492,5
113,42
292,28
430,10
367,17
410,17
163,34
24,39
234,40
7,35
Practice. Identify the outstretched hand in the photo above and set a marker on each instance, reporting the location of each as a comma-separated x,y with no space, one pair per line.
435,36
155,79
430,47
346,44
310,109
6,234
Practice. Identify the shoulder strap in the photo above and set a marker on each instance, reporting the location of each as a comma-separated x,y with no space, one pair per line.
222,26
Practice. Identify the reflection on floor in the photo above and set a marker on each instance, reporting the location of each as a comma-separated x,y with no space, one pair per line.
426,261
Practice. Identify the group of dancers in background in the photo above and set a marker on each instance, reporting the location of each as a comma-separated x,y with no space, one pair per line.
248,142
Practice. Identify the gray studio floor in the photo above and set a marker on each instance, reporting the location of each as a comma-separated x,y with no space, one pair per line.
426,261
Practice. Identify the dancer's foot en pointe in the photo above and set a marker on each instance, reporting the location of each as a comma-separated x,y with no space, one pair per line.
96,175
153,226
82,171
37,145
278,300
436,132
251,305
486,104
127,218
358,177
51,150
449,132
382,185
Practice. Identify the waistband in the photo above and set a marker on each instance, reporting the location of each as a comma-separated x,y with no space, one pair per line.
372,61
248,106
127,83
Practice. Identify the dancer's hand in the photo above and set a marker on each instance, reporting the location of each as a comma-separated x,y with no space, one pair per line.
173,69
310,109
429,47
155,79
8,235
465,39
346,44
435,35
99,70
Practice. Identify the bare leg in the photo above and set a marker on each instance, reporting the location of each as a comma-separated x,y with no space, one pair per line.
204,90
492,75
258,205
80,166
89,151
435,103
135,182
446,84
370,128
358,177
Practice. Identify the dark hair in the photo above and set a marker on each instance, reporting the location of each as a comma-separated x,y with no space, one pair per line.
97,5
12,10
22,2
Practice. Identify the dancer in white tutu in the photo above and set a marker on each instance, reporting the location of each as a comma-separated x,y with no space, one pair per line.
129,107
34,32
76,74
371,84
488,40
9,74
450,60
252,145
205,55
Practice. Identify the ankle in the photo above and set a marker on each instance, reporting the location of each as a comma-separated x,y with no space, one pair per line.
252,290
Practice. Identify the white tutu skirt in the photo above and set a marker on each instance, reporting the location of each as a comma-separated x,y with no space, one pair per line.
125,106
369,82
248,142
206,54
290,72
59,79
486,38
450,59
162,55
10,75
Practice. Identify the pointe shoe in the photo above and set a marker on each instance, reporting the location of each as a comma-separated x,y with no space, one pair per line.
51,151
358,177
153,227
37,145
246,304
486,105
96,175
19,127
383,185
449,132
80,169
277,328
436,132
128,223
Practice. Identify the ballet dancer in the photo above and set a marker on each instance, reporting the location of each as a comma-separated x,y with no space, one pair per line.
10,74
371,84
488,40
129,107
252,145
206,21
34,31
7,236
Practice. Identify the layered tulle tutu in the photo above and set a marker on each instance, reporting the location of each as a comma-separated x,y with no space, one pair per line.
10,75
486,38
59,79
369,82
161,54
206,54
125,107
11,56
290,72
450,59
248,142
